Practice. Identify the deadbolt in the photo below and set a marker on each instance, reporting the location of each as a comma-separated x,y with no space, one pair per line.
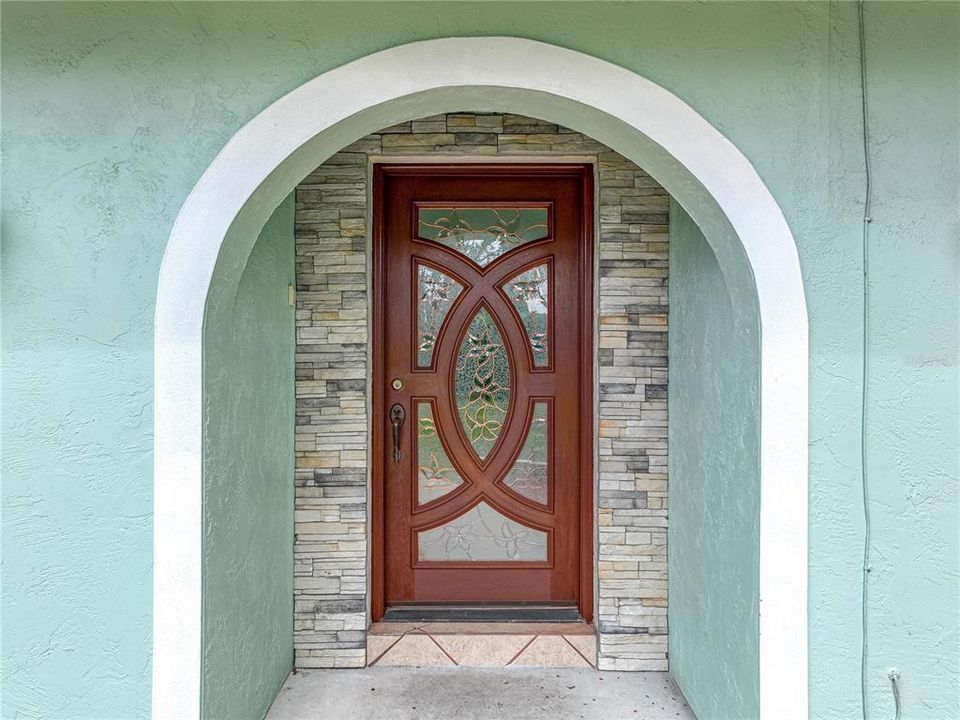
397,384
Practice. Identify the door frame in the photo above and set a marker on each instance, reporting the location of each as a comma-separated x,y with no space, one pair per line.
583,169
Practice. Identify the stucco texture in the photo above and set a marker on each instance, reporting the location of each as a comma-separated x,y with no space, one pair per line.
714,483
112,111
248,489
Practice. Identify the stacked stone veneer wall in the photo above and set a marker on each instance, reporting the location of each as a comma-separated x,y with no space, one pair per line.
332,372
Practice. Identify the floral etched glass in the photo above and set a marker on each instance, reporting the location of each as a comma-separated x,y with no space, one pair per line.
485,535
482,234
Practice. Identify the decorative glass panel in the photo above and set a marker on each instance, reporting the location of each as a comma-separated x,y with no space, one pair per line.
482,234
482,534
528,292
435,294
528,476
436,475
482,383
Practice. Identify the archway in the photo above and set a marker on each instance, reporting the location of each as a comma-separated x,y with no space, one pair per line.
714,182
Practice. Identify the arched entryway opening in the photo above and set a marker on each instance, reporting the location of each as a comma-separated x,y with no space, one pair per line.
710,178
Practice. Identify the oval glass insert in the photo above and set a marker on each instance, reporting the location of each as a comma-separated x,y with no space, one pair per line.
436,475
529,292
482,234
482,383
528,476
482,535
436,293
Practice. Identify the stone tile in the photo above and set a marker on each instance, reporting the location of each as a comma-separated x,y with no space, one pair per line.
377,645
550,651
415,651
586,644
483,650
391,628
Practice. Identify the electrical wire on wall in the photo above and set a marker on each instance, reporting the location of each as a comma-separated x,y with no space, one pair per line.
893,674
867,202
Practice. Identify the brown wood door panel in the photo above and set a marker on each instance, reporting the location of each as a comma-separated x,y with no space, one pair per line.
494,471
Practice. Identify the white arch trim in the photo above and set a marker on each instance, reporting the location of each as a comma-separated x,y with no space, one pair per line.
262,162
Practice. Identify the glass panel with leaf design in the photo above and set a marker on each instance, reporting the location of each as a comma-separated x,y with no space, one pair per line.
528,292
482,234
528,476
482,383
436,293
485,535
436,475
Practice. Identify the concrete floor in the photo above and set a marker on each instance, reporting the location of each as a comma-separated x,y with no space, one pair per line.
407,693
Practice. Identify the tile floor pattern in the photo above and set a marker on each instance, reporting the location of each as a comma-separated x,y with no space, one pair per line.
544,645
451,693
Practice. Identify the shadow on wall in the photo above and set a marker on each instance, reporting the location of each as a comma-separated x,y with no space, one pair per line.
247,494
714,483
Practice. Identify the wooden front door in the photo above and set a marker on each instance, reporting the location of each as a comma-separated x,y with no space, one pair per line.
482,411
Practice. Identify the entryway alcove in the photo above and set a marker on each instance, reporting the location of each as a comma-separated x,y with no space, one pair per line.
553,290
737,377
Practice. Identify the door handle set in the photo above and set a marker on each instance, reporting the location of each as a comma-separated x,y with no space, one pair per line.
397,417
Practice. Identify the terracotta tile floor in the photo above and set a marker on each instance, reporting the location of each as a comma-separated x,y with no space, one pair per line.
546,645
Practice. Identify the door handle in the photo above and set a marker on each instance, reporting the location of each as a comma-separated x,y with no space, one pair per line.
397,417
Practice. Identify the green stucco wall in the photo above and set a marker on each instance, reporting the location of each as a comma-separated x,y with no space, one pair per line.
248,489
112,111
913,415
714,483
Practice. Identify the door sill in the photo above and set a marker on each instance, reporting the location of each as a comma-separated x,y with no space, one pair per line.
483,613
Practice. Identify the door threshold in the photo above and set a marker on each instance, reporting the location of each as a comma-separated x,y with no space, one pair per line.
483,613
473,629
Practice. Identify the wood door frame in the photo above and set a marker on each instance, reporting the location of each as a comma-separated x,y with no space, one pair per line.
584,171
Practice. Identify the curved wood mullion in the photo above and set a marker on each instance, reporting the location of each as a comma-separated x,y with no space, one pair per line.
514,429
446,508
448,341
546,262
423,260
499,271
453,458
512,338
485,476
443,256
516,333
514,262
445,355
500,484
466,287
452,506
479,480
519,511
